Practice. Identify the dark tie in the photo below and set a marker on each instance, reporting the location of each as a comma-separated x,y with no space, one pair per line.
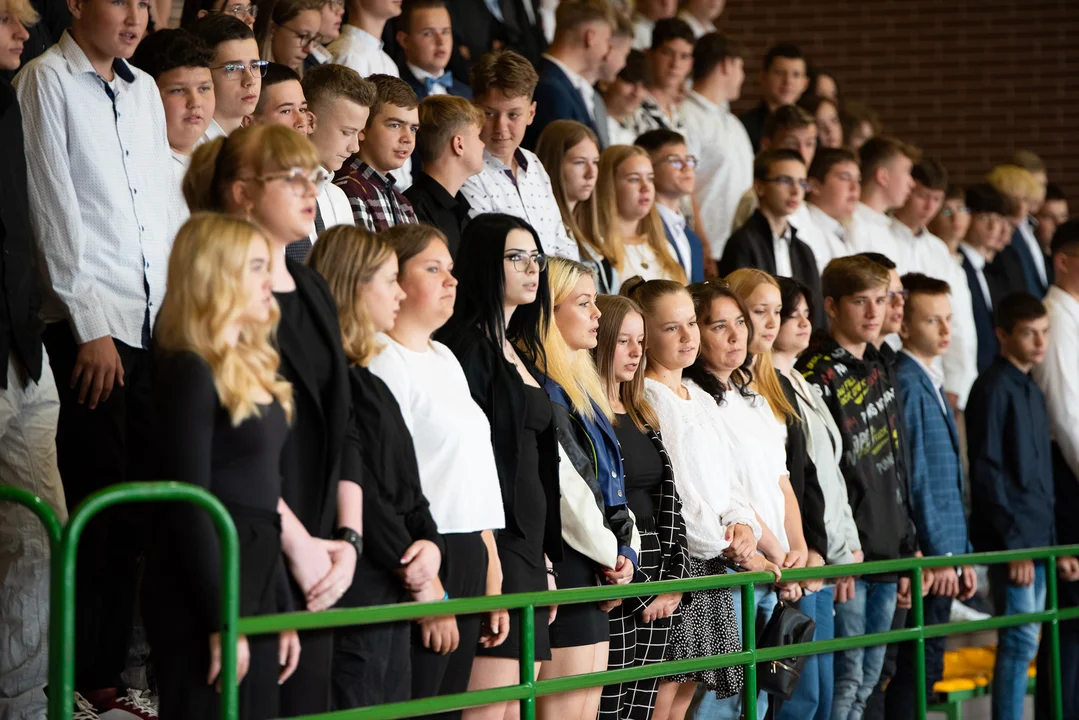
299,250
320,226
601,122
446,81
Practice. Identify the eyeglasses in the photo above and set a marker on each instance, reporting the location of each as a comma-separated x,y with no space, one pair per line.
298,179
949,212
238,11
257,68
307,40
678,163
898,296
522,262
788,182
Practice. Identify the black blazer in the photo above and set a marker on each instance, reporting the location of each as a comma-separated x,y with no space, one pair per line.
556,99
315,458
803,475
497,387
751,247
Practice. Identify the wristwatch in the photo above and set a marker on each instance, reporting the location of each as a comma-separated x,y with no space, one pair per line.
352,537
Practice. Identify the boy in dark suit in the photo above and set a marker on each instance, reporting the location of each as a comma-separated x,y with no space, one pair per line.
985,237
425,35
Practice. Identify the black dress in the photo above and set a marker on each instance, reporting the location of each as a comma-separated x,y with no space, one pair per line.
197,443
372,663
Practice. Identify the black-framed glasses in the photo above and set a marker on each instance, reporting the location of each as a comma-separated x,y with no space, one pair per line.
306,40
297,179
257,68
789,182
678,162
238,10
898,296
521,261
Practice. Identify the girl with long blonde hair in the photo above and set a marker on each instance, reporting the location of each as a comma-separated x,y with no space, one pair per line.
222,416
640,626
600,542
271,175
626,221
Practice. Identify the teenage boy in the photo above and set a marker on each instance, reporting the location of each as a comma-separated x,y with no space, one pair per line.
1023,257
1011,472
717,138
1052,214
236,70
513,180
388,141
985,237
670,61
886,185
767,241
571,66
339,103
835,188
935,474
701,15
282,101
850,378
359,46
450,147
101,217
609,70
1056,377
180,65
649,12
783,78
28,411
675,172
425,35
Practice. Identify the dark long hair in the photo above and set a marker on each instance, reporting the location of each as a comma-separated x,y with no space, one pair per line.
704,295
481,276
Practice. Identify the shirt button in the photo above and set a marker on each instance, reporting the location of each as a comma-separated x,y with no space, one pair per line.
619,493
127,152
614,474
135,190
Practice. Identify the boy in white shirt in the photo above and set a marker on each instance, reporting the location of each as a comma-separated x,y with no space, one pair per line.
237,71
886,185
281,101
648,13
359,46
835,186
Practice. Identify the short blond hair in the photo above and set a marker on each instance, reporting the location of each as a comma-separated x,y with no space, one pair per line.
22,10
325,83
572,14
442,118
1016,182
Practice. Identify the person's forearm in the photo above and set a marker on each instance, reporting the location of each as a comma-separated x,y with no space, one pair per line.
350,506
494,565
792,516
769,544
292,530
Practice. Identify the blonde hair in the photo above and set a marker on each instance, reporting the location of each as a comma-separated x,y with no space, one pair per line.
348,257
442,118
1016,182
248,152
765,381
205,299
614,309
604,222
22,10
574,371
557,139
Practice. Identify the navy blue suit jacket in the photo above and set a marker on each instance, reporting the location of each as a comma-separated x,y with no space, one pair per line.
1017,257
556,99
988,347
696,253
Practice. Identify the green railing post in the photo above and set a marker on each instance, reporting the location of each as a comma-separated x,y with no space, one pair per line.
55,531
918,608
749,644
528,661
1056,697
62,681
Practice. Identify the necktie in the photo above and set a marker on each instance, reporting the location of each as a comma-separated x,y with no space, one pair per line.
445,80
320,226
601,122
300,249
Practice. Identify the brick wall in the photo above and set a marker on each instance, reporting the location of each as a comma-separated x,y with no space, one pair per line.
969,81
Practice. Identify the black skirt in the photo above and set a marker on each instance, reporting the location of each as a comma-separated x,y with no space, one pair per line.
521,573
581,623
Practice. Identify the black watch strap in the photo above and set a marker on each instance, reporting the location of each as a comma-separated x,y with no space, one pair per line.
351,537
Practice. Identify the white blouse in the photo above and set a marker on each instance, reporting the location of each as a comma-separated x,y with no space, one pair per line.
702,458
451,434
761,457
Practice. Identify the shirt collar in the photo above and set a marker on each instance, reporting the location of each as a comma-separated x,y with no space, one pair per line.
583,86
499,166
79,63
1010,370
421,74
1064,300
696,25
868,214
362,36
975,258
438,193
707,104
935,376
824,221
674,219
367,172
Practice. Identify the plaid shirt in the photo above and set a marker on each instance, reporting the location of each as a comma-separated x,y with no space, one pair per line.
376,203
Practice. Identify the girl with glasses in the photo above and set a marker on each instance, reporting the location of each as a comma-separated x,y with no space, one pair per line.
502,305
288,30
194,10
267,173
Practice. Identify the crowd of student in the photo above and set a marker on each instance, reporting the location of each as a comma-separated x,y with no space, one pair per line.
438,318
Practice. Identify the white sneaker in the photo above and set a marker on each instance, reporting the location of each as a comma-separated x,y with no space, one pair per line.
83,709
136,705
962,612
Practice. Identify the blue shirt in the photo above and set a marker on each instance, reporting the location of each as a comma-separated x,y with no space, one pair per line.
1011,469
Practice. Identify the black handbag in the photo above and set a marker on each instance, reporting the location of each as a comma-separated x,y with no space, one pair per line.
787,626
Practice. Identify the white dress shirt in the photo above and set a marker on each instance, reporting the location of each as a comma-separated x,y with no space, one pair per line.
422,75
642,33
699,29
583,87
617,134
361,51
181,213
872,232
213,131
1026,231
808,232
724,164
781,248
99,208
334,208
836,236
451,434
528,196
1058,374
676,224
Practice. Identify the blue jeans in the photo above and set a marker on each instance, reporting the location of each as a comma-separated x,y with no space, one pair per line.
706,705
813,697
1016,646
857,671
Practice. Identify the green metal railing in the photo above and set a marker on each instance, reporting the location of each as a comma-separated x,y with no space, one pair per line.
63,594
